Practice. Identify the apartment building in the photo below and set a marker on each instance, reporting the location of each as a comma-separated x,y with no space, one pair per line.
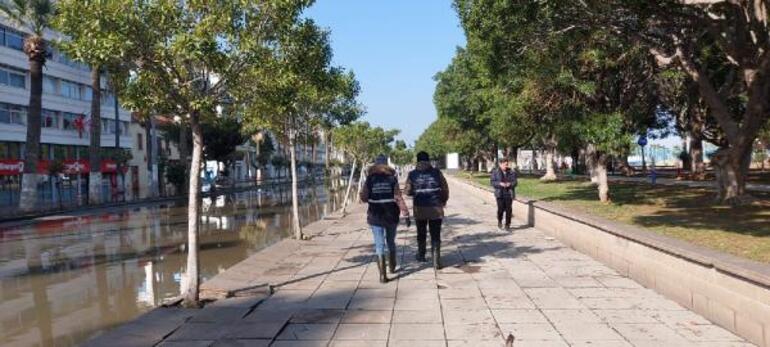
66,116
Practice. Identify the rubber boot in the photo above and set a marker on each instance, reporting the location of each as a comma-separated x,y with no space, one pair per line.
436,250
421,250
392,261
381,267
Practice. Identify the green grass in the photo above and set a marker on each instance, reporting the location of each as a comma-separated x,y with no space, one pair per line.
681,212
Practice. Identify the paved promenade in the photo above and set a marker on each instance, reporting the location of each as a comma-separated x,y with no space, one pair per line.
326,293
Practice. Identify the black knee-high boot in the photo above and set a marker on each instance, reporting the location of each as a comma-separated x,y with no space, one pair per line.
381,268
436,250
392,261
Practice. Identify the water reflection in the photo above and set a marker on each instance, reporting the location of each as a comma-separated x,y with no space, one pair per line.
65,278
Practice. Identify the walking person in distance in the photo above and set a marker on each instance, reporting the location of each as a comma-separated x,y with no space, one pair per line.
504,181
382,193
430,191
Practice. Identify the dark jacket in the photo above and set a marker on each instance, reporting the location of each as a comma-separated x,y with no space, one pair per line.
383,194
430,191
499,176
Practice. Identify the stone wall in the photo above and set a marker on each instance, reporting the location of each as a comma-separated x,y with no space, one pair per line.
729,291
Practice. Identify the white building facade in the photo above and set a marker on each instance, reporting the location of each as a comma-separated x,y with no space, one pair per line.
65,119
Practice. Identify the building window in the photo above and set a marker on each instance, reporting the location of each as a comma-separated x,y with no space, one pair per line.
139,142
68,121
107,98
18,114
49,85
12,38
88,94
50,119
12,77
70,90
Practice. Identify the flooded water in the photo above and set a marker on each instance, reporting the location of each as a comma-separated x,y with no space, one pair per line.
64,279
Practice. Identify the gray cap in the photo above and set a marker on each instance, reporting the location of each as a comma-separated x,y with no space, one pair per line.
381,160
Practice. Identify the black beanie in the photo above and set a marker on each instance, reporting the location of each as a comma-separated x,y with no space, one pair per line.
423,156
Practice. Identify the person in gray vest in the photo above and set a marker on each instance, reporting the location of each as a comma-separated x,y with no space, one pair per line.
382,193
430,191
503,179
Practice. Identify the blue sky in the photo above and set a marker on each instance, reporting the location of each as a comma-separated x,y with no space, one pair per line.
395,47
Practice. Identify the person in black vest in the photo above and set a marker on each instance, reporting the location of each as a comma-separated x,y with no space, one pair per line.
383,194
430,191
504,181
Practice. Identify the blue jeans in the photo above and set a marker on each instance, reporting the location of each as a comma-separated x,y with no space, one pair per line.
383,235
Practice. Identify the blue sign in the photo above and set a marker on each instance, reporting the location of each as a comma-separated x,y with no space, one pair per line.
642,140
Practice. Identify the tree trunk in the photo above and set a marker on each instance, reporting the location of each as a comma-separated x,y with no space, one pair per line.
550,172
184,150
550,153
94,159
360,183
190,287
600,169
327,149
296,226
514,158
28,198
625,167
696,159
731,167
590,158
350,186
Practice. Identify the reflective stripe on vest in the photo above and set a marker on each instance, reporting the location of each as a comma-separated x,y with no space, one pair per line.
427,190
382,201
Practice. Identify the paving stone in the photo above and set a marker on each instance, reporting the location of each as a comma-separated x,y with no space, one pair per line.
186,343
468,316
594,343
358,343
474,343
269,316
199,331
362,332
307,332
421,343
220,314
372,304
416,304
626,316
519,316
424,316
248,330
288,343
463,304
417,331
367,316
531,332
553,298
639,332
311,316
568,316
242,343
476,332
579,331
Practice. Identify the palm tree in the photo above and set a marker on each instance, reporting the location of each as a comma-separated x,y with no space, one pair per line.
35,15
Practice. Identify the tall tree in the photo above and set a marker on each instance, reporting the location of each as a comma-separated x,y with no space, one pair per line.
304,92
191,61
35,16
724,48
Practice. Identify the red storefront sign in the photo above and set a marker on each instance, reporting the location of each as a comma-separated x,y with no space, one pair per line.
108,166
76,166
10,167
